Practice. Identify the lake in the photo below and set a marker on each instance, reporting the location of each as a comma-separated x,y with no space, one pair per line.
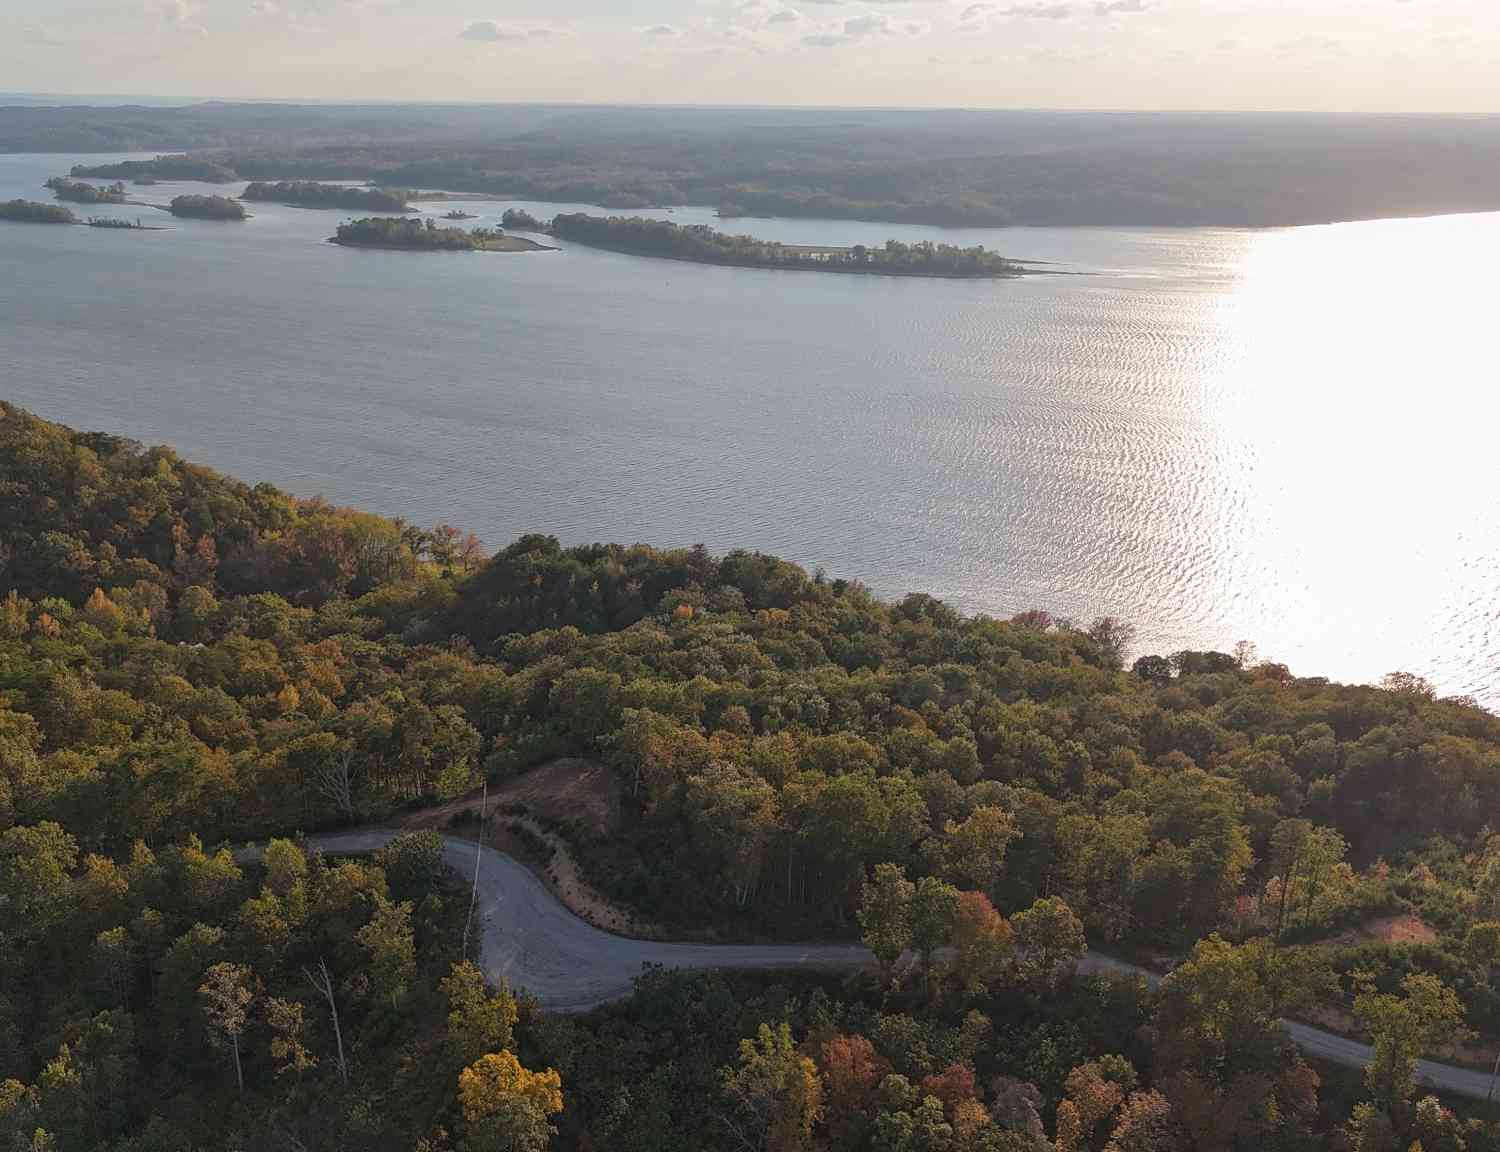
1282,436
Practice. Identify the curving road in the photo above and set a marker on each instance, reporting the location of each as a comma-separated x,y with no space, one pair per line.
530,939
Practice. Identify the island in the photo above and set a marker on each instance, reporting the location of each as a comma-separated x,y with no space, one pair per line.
459,214
313,194
66,188
30,212
207,207
523,220
117,222
700,244
425,236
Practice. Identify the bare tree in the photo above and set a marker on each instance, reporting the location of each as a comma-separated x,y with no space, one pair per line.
484,796
335,781
323,984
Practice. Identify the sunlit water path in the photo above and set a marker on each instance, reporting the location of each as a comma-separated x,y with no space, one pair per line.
1285,436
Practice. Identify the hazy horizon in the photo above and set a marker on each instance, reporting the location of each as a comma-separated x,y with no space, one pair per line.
1319,56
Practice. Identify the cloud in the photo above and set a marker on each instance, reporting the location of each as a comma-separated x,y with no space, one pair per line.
1311,46
659,30
867,25
174,14
1039,11
859,27
785,16
492,33
1113,7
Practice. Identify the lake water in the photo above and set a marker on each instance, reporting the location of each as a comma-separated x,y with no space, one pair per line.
1283,436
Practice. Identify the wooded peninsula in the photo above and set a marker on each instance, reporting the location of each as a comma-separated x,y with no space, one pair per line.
188,662
701,244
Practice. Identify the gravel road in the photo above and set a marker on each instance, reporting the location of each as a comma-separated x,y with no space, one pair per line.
528,938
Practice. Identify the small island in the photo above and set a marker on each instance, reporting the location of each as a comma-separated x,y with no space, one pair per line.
459,214
425,236
122,224
207,207
700,244
30,212
313,194
66,188
522,220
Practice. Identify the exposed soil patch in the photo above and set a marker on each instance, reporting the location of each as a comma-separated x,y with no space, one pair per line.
1404,929
570,789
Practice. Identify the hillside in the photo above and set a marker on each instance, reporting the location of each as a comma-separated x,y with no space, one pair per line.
187,661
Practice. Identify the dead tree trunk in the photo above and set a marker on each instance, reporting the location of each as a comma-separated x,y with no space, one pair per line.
323,984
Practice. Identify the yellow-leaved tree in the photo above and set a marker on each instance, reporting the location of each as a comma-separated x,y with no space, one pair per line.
506,1106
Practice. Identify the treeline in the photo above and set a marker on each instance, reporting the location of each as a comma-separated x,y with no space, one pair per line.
201,169
184,655
384,232
81,192
208,207
31,212
311,194
956,168
522,221
701,244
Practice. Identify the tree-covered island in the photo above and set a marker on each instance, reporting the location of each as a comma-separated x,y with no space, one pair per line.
425,236
207,207
80,192
700,244
31,212
313,194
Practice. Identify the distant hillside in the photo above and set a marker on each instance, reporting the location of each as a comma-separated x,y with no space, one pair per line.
931,167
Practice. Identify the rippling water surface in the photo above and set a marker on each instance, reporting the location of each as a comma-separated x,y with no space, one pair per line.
1284,436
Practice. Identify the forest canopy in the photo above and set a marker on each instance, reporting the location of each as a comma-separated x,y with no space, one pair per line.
701,244
81,192
207,207
188,662
311,194
32,212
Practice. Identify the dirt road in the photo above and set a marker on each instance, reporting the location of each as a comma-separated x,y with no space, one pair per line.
527,937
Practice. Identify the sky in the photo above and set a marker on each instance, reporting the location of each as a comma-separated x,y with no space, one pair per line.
1317,55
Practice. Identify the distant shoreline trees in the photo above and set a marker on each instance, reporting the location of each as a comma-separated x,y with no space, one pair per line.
178,167
313,194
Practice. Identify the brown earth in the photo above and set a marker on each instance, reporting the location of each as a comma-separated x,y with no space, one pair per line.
567,789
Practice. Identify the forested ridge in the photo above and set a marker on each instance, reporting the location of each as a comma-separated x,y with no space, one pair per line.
935,166
187,661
